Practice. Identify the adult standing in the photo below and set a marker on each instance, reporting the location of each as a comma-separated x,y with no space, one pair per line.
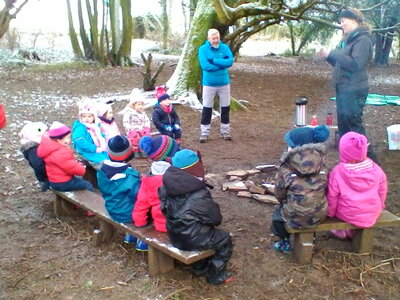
350,77
215,58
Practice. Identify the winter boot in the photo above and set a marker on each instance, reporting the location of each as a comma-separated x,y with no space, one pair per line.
130,239
223,277
283,246
141,246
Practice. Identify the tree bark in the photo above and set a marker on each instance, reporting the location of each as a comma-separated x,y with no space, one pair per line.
165,25
72,34
87,48
6,16
124,50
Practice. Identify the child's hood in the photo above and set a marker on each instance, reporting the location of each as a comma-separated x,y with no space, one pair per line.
27,146
178,182
360,177
48,147
306,160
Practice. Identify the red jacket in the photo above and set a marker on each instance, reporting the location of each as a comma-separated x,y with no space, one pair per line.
2,117
61,166
147,199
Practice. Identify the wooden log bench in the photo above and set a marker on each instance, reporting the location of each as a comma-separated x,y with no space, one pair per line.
362,241
161,254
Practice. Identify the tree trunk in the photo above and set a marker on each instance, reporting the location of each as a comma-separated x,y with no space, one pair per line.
6,16
149,80
87,48
124,50
94,31
72,34
185,81
164,23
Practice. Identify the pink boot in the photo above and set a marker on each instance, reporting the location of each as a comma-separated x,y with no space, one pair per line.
343,234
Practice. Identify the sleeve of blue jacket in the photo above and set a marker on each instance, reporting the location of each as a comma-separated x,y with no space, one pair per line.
227,61
79,139
204,63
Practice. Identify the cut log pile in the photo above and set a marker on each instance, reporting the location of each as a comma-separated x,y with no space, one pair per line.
241,182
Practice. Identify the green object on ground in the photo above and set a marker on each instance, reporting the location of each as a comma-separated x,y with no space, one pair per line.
377,99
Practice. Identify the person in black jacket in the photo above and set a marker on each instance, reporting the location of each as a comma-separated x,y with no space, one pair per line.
350,77
192,215
165,117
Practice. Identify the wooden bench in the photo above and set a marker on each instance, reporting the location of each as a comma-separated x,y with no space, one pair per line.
362,241
161,253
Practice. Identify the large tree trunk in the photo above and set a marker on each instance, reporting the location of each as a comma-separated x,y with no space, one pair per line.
72,34
185,81
6,16
383,46
124,50
165,24
87,47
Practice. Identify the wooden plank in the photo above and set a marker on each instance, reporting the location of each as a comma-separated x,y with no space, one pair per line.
57,205
363,240
159,262
107,231
386,219
302,247
94,202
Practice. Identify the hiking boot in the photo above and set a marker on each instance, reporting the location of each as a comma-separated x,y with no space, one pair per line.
203,138
226,136
130,239
226,277
141,246
283,246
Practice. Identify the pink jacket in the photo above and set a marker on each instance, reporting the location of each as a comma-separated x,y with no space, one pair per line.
109,129
357,193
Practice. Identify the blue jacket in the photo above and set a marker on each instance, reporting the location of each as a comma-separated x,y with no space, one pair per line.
84,145
214,63
119,184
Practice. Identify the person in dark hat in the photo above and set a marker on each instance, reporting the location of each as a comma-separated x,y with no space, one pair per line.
300,184
165,118
350,76
192,215
119,184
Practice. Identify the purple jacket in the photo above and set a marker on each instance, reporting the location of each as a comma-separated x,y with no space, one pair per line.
357,193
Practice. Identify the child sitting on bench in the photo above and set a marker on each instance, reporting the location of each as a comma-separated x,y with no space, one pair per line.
192,215
357,186
119,184
61,166
108,125
31,136
300,184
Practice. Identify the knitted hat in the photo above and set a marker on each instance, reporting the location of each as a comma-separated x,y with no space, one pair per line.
353,147
87,107
306,135
58,130
102,109
120,149
161,147
189,161
136,96
161,94
159,167
351,14
32,132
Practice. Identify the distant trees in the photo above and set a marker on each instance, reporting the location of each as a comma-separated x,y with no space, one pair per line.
108,39
7,13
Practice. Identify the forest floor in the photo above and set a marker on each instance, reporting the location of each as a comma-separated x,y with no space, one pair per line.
44,257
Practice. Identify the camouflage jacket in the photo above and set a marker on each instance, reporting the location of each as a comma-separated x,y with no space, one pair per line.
301,184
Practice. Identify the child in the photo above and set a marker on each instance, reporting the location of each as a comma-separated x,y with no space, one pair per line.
192,215
357,186
147,198
301,183
157,148
108,126
136,122
61,167
87,137
119,184
31,135
165,117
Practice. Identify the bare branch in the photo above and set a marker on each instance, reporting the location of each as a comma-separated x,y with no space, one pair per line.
18,9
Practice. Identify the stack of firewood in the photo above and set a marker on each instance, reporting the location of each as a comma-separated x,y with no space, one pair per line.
240,181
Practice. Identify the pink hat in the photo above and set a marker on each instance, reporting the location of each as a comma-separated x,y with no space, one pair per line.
353,147
58,130
87,107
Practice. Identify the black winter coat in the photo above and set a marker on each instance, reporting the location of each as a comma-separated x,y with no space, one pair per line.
161,118
29,150
351,60
191,213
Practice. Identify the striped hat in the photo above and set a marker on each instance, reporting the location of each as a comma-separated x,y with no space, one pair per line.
161,147
120,149
58,130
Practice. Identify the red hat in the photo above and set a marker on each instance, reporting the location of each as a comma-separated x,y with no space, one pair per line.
161,94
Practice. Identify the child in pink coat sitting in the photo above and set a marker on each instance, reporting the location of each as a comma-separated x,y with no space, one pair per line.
108,125
357,186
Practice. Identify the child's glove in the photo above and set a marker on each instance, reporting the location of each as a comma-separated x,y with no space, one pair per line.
167,127
177,127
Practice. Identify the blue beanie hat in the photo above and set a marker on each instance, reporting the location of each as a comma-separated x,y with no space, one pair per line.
161,147
307,135
189,161
120,149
